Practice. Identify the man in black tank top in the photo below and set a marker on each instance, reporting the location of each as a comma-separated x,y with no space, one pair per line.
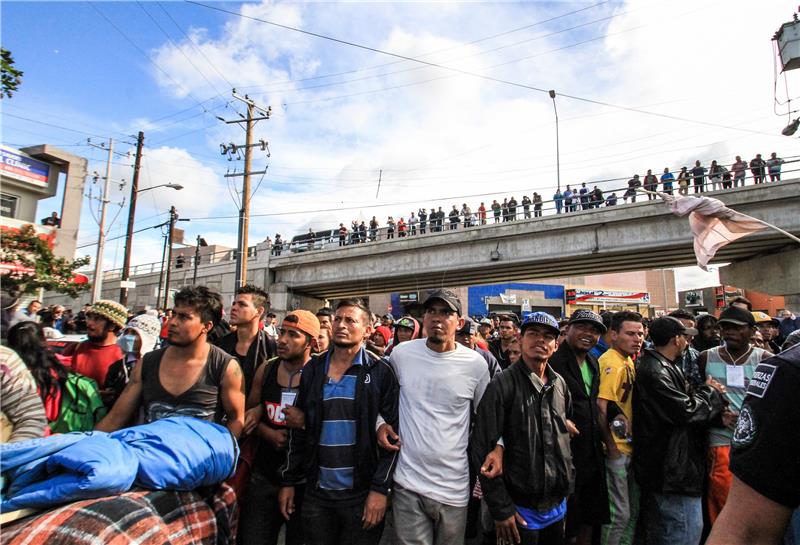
248,344
274,387
189,377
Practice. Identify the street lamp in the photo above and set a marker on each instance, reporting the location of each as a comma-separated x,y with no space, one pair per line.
126,262
558,159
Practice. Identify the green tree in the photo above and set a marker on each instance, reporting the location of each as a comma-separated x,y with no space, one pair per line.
10,77
29,264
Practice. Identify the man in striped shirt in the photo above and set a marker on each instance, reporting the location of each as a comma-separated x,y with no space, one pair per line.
334,449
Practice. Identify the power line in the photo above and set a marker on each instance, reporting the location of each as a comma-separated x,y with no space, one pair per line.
468,73
141,51
196,47
179,49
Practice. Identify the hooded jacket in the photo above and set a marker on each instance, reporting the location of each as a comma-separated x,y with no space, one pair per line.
414,335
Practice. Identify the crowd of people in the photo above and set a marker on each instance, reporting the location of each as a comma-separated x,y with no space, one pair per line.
604,428
698,179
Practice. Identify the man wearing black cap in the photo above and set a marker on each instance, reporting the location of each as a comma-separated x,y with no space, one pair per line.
732,365
580,370
669,430
441,383
467,336
527,406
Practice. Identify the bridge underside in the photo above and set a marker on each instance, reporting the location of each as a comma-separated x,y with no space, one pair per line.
680,256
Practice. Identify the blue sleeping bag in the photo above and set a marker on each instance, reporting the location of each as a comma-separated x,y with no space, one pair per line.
181,453
92,467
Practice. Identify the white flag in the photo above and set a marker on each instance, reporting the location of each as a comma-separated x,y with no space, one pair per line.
713,224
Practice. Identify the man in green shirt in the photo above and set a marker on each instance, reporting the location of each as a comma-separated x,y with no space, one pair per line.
586,509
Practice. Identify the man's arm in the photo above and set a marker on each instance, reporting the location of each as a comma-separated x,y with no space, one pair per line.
233,397
749,518
254,410
126,405
388,412
671,402
612,450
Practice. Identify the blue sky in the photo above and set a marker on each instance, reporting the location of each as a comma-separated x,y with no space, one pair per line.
436,135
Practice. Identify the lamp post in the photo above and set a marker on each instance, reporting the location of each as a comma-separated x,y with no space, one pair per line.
558,158
126,263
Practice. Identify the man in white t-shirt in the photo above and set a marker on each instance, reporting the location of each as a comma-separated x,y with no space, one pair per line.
441,384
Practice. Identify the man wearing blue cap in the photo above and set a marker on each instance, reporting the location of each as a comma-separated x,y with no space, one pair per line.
527,406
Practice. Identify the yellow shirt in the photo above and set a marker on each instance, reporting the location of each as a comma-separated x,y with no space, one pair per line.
616,384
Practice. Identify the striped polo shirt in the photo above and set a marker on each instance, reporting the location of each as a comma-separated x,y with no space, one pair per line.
337,442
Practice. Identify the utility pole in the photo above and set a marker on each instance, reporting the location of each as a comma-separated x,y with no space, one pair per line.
173,217
97,288
231,149
126,262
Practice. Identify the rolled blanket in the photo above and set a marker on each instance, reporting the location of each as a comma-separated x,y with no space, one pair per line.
180,453
93,467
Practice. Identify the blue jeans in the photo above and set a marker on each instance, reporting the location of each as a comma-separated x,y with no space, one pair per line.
671,519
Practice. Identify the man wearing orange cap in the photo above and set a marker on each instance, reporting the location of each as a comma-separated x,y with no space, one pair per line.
275,387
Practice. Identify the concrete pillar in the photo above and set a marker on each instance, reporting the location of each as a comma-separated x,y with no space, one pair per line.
283,300
776,274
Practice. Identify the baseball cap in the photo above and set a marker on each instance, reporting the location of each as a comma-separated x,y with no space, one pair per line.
388,317
470,327
486,321
408,322
111,311
736,316
540,318
589,317
763,317
302,320
664,328
448,297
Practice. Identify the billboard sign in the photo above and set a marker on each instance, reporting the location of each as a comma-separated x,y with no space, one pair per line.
588,296
18,166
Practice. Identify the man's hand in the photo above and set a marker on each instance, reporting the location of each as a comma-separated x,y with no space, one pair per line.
294,417
374,509
251,419
572,428
507,529
613,453
286,501
388,439
276,438
729,418
492,465
716,385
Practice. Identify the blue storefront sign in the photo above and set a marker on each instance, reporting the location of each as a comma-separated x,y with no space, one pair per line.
20,167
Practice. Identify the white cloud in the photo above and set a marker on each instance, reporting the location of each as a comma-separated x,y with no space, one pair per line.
462,135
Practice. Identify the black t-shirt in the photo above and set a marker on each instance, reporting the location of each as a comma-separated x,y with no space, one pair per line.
765,451
269,460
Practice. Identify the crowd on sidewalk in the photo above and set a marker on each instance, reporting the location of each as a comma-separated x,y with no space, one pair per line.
697,179
440,428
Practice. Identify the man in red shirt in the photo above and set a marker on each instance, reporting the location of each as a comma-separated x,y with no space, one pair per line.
93,357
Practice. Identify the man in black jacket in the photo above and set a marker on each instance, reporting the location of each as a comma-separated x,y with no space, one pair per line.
527,406
670,426
580,370
335,450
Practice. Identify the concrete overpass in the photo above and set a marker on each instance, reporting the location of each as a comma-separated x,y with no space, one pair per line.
640,236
